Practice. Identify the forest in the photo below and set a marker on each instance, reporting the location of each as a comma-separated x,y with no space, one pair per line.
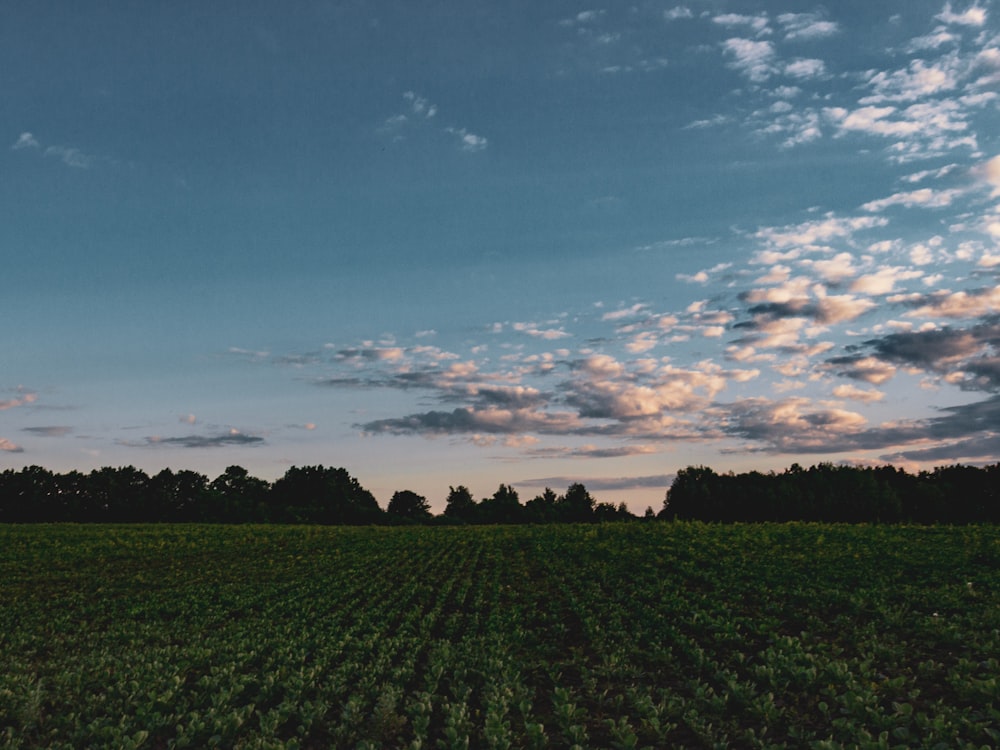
331,496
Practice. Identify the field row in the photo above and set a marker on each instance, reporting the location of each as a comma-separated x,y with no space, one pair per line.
637,635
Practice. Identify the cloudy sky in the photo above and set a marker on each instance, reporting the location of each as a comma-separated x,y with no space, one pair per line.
475,242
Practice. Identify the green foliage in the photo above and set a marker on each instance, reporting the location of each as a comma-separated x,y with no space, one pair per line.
639,635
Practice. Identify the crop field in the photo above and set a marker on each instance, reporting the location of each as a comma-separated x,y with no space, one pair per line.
604,636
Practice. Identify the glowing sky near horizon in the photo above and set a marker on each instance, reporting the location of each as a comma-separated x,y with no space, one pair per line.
476,242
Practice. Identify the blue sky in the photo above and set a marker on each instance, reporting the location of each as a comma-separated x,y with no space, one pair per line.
471,243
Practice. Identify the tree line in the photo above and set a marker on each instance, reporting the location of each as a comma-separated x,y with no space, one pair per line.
304,494
838,494
325,495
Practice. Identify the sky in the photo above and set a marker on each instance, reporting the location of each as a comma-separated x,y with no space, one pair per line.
471,243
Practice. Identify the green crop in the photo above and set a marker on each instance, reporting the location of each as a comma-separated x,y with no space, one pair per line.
618,636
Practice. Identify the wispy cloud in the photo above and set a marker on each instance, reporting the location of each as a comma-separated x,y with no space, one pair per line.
806,26
25,140
974,15
7,446
598,484
26,398
232,438
421,111
68,155
50,431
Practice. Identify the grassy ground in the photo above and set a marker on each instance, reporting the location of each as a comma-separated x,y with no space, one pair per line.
633,635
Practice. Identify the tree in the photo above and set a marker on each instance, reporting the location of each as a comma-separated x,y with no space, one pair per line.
409,505
503,507
317,494
576,506
542,508
460,505
237,497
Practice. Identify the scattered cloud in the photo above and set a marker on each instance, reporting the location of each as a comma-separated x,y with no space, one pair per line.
468,141
50,431
7,446
419,109
25,140
231,438
754,59
598,484
974,15
26,398
806,26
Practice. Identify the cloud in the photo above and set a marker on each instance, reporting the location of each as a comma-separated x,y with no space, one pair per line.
991,172
868,369
420,106
813,235
419,109
231,438
51,431
962,304
963,357
754,59
597,484
678,12
924,197
471,420
791,424
592,451
917,81
853,393
974,15
25,140
24,400
805,68
532,329
758,24
806,26
71,157
8,447
468,141
883,281
923,130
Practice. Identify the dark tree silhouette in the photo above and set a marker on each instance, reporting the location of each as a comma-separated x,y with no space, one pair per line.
576,506
316,494
409,505
238,497
542,508
460,506
503,507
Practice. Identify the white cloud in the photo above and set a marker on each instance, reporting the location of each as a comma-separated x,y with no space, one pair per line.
758,24
992,172
756,60
806,26
972,16
805,68
853,393
917,81
678,12
963,304
420,105
924,197
25,140
532,329
884,280
468,141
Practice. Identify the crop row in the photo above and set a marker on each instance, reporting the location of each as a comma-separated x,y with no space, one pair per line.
658,635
